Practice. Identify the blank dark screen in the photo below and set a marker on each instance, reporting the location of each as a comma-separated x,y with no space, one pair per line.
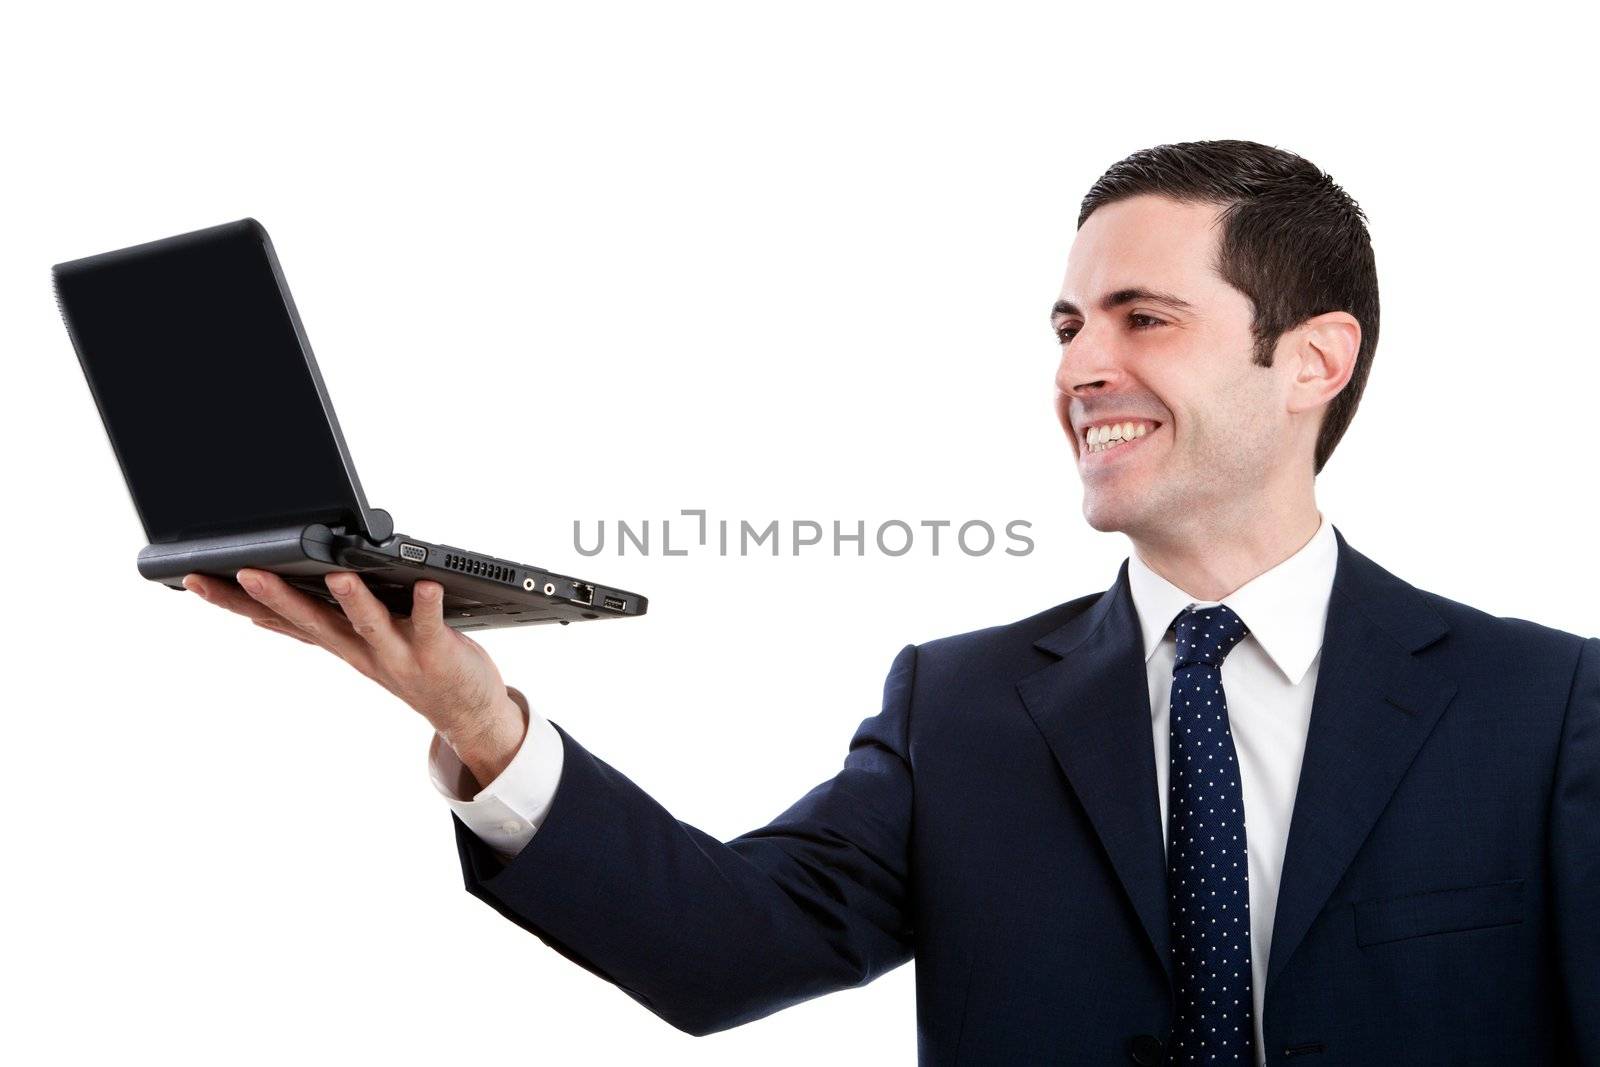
204,388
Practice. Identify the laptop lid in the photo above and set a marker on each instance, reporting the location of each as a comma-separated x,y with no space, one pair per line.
207,387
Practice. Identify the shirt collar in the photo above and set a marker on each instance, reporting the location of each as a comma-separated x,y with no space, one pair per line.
1285,607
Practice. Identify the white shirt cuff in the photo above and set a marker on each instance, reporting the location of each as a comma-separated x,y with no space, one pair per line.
506,812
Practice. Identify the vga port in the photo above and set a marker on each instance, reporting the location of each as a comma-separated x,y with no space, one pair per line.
413,553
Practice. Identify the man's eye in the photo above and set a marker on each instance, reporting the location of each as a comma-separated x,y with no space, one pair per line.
1137,320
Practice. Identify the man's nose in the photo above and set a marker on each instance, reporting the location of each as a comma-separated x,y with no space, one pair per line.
1090,362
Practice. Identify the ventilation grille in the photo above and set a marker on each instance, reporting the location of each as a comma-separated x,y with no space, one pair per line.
481,568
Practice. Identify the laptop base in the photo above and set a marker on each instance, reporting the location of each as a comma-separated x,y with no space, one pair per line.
480,592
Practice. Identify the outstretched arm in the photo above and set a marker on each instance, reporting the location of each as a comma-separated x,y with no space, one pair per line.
709,935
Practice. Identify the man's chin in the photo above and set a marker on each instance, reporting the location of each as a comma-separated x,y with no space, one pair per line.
1108,515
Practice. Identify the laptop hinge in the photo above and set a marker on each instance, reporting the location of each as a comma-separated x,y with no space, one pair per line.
379,526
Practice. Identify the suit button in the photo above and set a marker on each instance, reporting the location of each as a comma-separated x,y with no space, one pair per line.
1146,1050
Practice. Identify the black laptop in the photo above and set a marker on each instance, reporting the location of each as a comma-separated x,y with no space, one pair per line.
229,445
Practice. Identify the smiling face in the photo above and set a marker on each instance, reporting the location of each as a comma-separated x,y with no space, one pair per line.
1150,332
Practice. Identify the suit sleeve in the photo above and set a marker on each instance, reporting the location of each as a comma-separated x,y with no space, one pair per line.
1575,855
706,934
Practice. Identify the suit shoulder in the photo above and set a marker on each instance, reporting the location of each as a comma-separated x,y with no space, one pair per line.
1506,646
967,669
1507,630
1003,639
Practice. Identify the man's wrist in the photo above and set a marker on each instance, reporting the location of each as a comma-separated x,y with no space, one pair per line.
487,744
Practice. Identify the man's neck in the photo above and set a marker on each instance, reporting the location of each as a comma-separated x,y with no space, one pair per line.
1210,563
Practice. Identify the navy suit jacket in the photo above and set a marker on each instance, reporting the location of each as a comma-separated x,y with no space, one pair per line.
998,821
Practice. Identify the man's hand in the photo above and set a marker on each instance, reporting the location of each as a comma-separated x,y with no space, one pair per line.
446,676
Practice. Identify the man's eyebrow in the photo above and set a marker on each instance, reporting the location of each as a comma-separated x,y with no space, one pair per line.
1112,301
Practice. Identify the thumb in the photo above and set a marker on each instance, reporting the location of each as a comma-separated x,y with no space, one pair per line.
427,611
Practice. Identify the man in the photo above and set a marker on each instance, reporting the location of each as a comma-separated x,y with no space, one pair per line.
1260,799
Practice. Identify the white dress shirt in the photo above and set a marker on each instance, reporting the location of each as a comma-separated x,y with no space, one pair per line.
1269,677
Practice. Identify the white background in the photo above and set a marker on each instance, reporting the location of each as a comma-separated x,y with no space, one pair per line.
606,261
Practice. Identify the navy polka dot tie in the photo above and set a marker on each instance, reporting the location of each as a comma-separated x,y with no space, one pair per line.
1208,875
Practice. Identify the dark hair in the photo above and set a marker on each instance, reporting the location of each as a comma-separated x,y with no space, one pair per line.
1292,241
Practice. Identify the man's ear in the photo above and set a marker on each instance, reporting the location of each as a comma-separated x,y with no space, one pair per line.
1324,356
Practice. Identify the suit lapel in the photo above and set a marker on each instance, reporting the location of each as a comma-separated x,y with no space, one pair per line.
1374,705
1093,708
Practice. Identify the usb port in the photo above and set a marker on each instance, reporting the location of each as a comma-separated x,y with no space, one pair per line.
582,593
615,603
412,553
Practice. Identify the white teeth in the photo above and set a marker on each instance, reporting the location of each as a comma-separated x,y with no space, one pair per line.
1100,438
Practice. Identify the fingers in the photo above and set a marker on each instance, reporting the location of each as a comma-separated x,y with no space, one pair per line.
323,624
279,627
365,635
427,611
446,676
227,595
231,597
368,616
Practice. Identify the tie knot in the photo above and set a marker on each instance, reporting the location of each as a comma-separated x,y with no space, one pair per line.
1207,635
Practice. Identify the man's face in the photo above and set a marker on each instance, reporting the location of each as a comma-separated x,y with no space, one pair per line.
1150,333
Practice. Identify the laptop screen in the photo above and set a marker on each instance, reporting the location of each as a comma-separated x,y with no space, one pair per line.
212,401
